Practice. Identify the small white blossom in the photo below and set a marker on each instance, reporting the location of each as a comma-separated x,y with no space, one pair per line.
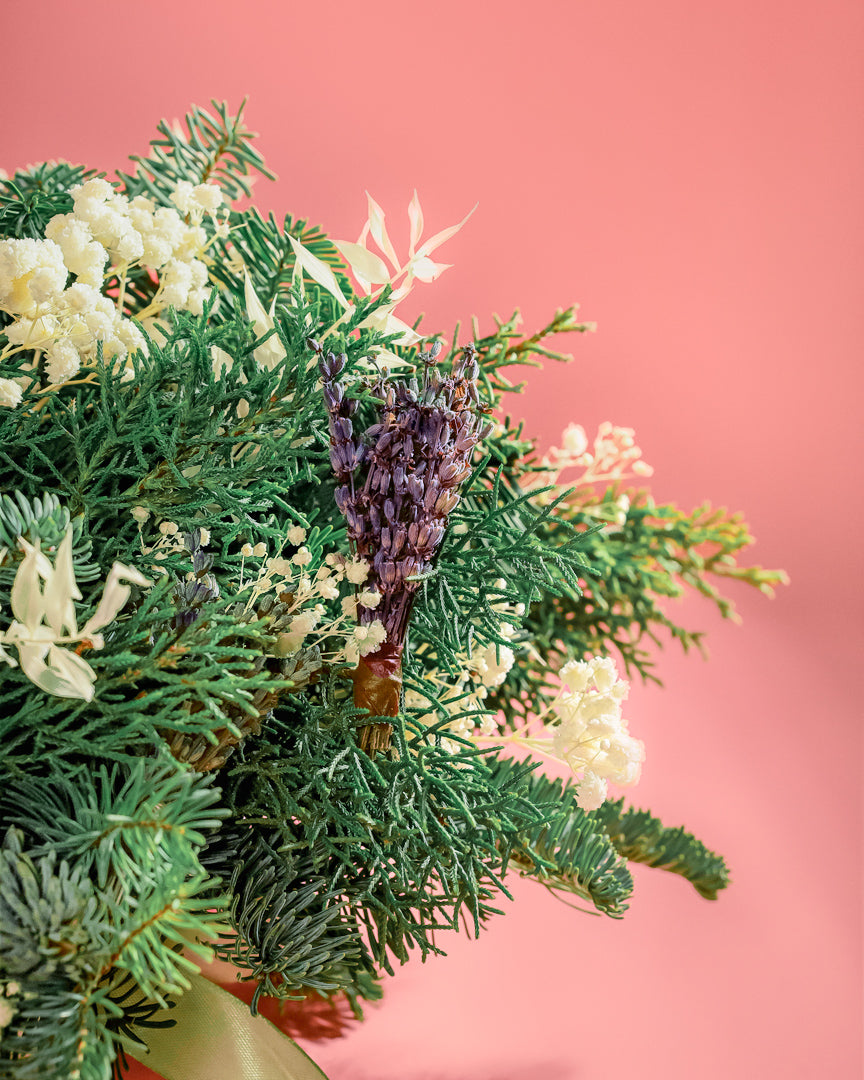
370,636
591,791
575,440
369,598
246,550
296,535
31,273
489,668
328,589
260,549
10,393
357,571
303,623
302,557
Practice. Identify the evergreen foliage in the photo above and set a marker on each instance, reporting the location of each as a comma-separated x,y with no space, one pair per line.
640,837
211,796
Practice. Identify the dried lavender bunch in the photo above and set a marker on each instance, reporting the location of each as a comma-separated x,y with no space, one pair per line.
396,507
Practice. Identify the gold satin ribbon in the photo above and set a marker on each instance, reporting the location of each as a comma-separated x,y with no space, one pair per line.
217,1038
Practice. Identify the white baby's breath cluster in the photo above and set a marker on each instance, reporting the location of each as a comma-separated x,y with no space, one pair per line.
591,734
43,605
614,456
99,241
307,589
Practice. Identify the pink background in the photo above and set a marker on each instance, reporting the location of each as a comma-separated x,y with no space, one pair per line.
691,173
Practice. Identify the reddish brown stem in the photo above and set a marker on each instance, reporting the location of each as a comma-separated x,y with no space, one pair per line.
378,688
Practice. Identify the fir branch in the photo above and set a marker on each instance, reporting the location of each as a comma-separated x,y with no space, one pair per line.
291,932
640,837
129,822
213,148
568,851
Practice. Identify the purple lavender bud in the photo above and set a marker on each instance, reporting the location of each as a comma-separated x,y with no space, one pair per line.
388,572
465,441
333,396
383,441
409,566
447,503
400,485
356,522
342,428
386,538
331,365
433,490
415,488
400,535
342,459
389,510
342,495
449,473
429,536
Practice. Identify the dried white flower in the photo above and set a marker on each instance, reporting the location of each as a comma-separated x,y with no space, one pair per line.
43,604
357,571
302,557
10,393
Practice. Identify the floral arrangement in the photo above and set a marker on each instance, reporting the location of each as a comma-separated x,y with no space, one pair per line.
292,618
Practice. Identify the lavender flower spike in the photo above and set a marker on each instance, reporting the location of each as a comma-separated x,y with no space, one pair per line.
411,464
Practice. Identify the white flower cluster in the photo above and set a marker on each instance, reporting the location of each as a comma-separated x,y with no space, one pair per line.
310,624
614,456
43,605
301,587
101,239
7,1007
591,734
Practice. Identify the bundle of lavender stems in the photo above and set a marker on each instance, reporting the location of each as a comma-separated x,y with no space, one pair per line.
397,486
